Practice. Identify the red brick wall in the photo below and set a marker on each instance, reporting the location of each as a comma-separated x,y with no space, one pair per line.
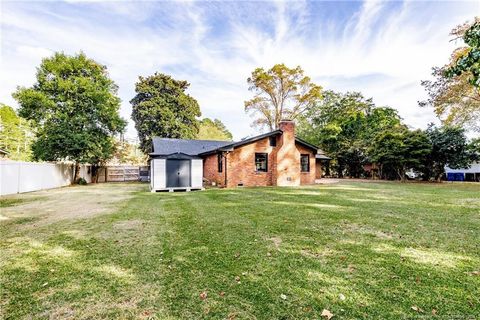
307,177
210,170
241,164
283,163
318,170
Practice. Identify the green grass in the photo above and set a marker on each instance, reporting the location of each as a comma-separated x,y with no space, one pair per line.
9,202
360,250
14,201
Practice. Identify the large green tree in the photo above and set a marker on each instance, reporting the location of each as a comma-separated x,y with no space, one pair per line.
344,126
455,92
161,107
16,134
450,147
75,109
280,93
213,130
396,150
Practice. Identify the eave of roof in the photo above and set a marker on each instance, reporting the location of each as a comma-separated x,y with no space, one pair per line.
306,144
175,155
230,147
322,157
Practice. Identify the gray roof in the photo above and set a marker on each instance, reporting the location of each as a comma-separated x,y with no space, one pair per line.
166,146
322,156
244,141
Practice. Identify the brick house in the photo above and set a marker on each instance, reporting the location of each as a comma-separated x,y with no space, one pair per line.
276,158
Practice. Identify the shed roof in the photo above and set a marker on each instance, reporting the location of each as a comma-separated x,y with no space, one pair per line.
167,146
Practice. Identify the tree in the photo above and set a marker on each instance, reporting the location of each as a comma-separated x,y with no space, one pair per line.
16,134
455,92
127,153
418,148
398,149
469,61
449,148
344,126
162,108
388,152
213,130
280,93
75,109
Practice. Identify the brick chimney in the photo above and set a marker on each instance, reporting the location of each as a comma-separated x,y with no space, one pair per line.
287,126
288,158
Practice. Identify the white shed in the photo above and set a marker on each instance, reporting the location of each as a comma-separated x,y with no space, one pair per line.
176,172
176,164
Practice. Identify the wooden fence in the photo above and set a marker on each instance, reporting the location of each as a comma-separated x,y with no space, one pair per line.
120,174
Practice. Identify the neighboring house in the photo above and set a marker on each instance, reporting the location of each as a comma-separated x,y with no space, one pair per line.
464,174
277,158
3,154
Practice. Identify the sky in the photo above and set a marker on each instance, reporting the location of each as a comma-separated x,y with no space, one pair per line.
382,49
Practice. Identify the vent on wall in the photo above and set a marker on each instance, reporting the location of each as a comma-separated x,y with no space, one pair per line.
289,178
240,185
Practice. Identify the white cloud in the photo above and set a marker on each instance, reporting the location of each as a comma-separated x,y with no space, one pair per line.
382,49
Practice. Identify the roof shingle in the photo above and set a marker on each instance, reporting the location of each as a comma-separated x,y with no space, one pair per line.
166,146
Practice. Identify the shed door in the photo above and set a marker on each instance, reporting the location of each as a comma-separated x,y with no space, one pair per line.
178,173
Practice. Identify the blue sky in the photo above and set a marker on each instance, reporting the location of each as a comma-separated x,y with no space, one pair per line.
382,49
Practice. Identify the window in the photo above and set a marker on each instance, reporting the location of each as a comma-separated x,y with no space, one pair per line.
220,162
305,163
273,141
261,162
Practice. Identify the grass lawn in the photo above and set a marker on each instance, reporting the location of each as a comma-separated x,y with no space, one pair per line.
359,250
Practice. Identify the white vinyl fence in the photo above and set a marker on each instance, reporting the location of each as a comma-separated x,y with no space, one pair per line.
19,177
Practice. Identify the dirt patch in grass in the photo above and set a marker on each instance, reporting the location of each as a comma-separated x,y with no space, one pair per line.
77,202
317,255
277,241
128,225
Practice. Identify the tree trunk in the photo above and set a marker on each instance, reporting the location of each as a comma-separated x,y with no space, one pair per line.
77,172
95,169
